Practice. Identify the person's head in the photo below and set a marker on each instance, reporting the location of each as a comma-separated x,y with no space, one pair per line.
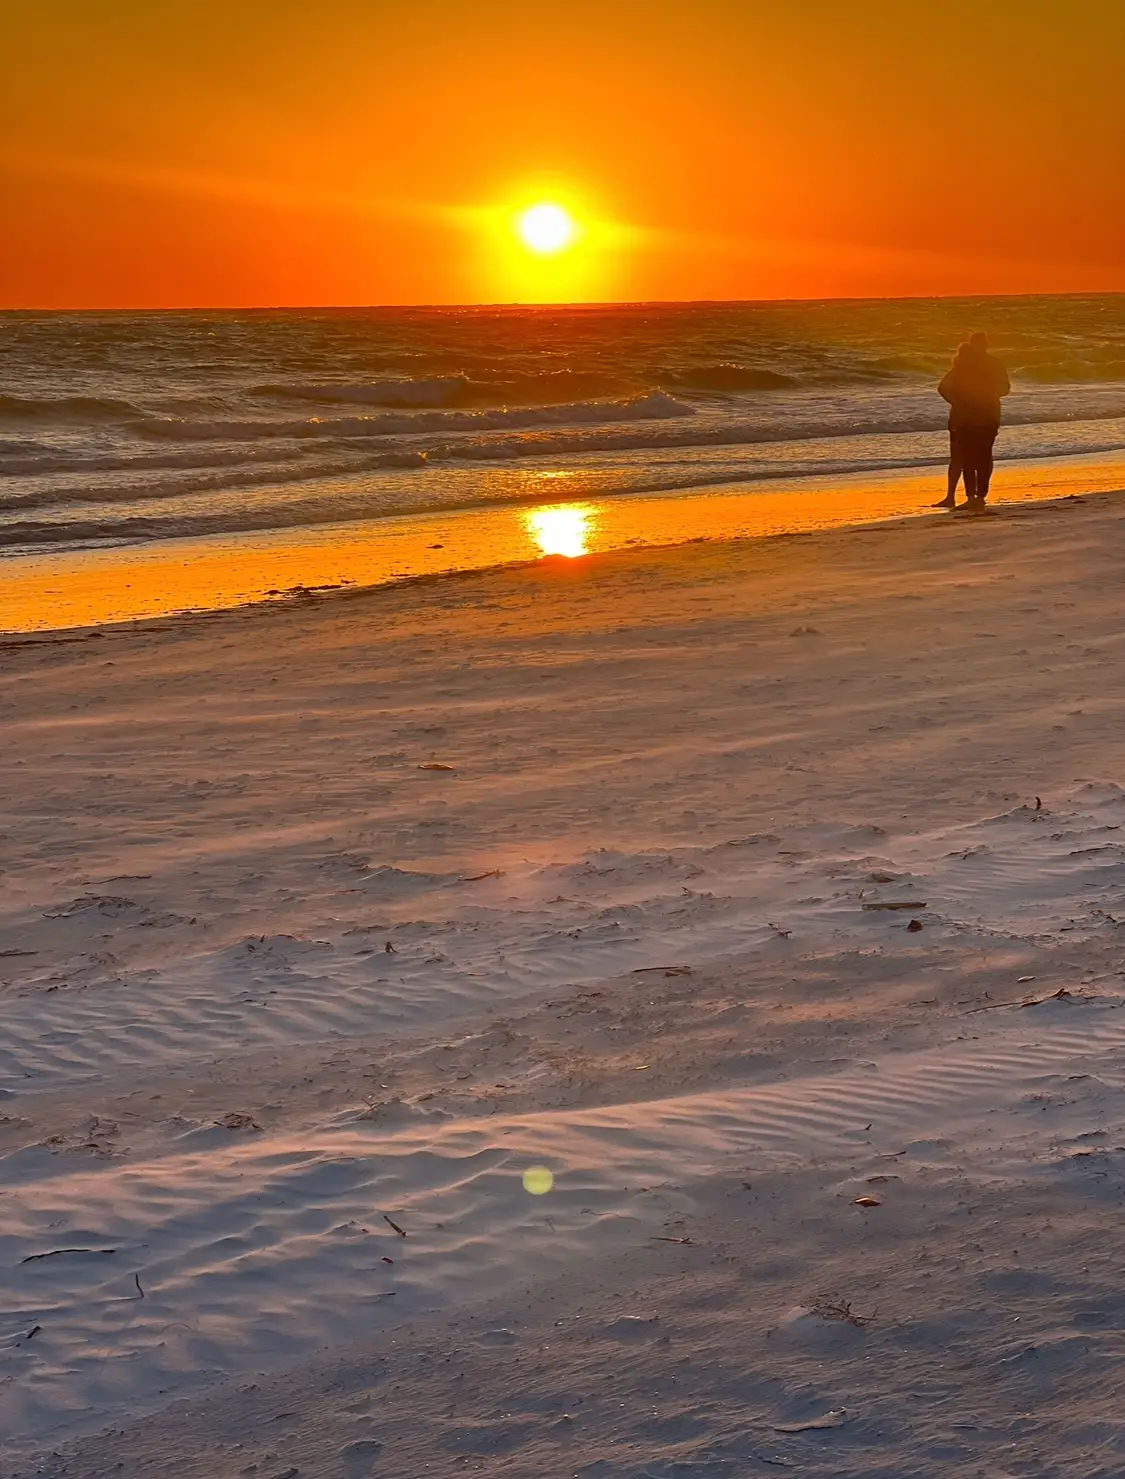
978,343
964,352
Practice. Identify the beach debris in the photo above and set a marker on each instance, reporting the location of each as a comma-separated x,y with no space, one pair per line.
806,632
836,1417
236,1120
777,929
686,1242
387,1260
1062,994
11,954
435,765
33,1332
1023,980
879,876
391,1223
1038,803
914,926
874,905
389,949
62,1252
137,1281
480,877
843,1312
867,1202
667,970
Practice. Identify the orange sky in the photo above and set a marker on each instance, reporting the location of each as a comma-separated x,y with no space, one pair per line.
228,152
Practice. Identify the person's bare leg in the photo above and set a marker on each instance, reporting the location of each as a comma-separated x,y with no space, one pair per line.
984,471
952,479
970,475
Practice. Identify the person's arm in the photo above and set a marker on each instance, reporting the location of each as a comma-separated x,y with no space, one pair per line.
1003,384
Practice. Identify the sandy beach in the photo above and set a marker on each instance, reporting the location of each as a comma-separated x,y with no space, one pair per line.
766,893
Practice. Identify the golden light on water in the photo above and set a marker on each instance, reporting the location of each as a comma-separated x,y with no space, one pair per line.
546,228
561,530
537,1181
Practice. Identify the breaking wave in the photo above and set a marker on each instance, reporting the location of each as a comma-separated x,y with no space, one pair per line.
65,408
654,406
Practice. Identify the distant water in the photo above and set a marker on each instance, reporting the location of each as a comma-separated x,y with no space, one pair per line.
136,427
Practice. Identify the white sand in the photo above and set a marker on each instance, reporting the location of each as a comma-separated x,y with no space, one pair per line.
692,770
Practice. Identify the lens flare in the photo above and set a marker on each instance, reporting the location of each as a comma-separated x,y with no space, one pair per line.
537,1181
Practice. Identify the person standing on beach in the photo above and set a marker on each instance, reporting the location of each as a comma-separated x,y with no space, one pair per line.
953,476
974,388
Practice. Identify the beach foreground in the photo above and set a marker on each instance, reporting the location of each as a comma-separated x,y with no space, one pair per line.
325,922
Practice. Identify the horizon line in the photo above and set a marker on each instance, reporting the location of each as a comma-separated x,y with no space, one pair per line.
585,304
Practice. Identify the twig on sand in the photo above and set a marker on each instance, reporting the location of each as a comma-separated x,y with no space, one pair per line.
667,970
842,1311
878,904
33,1332
391,1223
58,1253
480,877
836,1418
778,930
687,1242
1035,1001
137,1281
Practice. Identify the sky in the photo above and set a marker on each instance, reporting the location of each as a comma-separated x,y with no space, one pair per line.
187,153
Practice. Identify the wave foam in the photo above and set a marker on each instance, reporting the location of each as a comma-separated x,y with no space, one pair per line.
654,406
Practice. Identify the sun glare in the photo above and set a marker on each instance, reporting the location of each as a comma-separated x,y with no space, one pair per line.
546,228
562,530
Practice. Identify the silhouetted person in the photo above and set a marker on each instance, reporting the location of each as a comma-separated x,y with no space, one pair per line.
974,388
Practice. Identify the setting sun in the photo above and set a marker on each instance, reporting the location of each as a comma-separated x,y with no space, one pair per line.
546,228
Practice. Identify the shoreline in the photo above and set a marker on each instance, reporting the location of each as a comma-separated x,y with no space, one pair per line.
136,582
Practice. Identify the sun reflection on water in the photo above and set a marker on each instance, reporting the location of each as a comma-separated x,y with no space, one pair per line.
561,529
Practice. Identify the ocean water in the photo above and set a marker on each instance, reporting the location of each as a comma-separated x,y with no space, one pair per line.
123,428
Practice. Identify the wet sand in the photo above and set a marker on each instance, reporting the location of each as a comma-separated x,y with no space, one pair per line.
129,583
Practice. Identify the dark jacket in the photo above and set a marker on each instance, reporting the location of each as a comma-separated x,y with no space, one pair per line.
974,389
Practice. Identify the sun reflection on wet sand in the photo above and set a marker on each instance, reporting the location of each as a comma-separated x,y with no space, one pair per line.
80,588
564,529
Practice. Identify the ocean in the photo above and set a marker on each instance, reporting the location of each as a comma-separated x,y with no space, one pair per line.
127,428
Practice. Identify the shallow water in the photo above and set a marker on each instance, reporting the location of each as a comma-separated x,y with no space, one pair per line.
73,588
144,428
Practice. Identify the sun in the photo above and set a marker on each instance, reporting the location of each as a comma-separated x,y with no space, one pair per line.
546,228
